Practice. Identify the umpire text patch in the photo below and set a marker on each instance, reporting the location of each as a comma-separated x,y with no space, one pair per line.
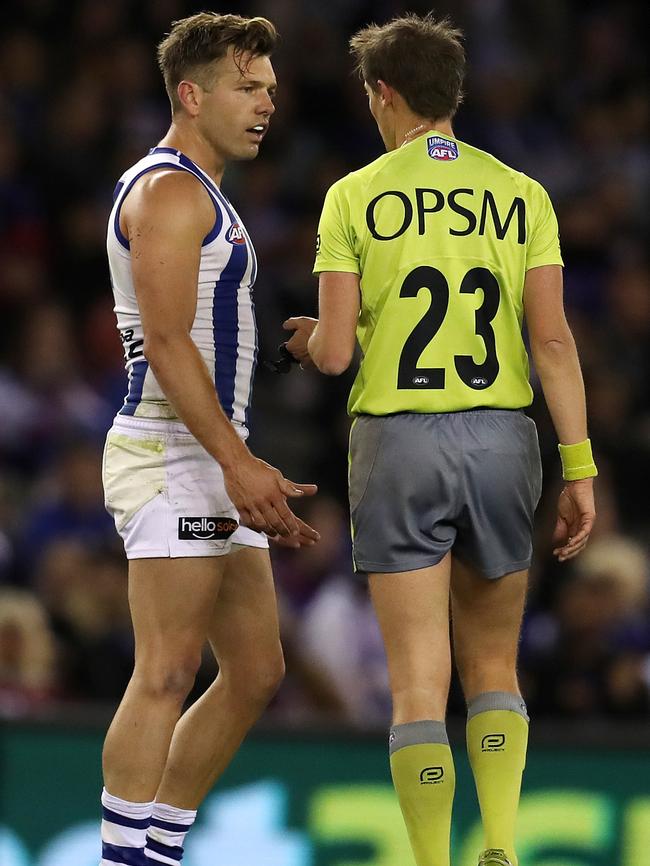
204,528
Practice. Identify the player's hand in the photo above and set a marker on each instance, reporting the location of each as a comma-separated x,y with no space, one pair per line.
306,537
259,493
576,513
303,328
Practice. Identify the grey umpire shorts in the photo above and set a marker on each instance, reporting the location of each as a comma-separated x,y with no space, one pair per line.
422,485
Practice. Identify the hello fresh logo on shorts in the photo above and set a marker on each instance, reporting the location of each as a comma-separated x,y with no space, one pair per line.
205,528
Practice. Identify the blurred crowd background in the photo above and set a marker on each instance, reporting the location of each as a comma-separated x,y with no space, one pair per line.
554,89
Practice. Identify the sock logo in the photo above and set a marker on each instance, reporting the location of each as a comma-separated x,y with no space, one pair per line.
493,743
202,528
432,776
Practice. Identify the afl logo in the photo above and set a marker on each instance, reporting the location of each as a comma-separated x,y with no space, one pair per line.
442,149
236,234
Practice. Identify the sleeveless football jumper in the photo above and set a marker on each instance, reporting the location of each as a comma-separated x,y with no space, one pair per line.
165,492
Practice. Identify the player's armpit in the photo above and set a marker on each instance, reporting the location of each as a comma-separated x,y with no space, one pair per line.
165,217
332,344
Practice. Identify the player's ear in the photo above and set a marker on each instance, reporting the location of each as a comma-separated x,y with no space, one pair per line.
386,92
190,95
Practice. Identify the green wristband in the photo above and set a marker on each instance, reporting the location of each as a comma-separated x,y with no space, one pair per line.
577,461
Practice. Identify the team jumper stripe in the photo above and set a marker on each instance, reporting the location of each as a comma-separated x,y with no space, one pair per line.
225,320
225,325
136,383
253,366
244,369
251,377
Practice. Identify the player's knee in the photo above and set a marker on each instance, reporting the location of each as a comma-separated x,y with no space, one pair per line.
266,679
256,680
168,677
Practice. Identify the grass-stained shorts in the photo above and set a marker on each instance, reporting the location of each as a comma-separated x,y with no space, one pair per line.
422,485
167,494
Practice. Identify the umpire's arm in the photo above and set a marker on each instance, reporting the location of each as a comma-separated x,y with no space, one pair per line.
554,352
556,360
333,340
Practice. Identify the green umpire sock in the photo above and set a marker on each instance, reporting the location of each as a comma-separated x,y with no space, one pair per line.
423,774
497,739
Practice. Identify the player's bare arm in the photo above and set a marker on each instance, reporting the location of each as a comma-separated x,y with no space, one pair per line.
165,218
329,341
556,359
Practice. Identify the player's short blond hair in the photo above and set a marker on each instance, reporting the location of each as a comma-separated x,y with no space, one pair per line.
422,58
190,49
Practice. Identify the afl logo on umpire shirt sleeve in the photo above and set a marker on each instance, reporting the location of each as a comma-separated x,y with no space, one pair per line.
205,528
443,149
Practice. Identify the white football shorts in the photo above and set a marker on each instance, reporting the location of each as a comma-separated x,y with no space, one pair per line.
167,494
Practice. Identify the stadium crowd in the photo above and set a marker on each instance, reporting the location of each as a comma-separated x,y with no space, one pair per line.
554,89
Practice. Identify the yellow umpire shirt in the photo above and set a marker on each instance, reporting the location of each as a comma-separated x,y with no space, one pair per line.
442,235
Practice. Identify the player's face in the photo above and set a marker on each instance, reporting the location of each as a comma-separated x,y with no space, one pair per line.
236,112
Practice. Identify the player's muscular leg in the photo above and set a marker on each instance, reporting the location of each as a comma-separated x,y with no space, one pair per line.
486,618
413,612
244,634
171,603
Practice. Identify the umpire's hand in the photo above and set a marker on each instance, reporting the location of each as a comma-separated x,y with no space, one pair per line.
303,328
576,513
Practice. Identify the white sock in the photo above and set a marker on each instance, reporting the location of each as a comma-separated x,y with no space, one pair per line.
124,831
166,834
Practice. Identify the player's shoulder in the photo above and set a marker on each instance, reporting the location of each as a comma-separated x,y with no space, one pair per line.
354,181
164,189
488,168
168,182
170,203
499,170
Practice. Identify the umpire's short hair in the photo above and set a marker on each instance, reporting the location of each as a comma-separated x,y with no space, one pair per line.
422,58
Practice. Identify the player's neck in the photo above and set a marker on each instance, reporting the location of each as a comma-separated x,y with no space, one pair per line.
196,148
410,127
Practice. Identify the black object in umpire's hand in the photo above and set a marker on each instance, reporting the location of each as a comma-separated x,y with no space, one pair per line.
282,364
